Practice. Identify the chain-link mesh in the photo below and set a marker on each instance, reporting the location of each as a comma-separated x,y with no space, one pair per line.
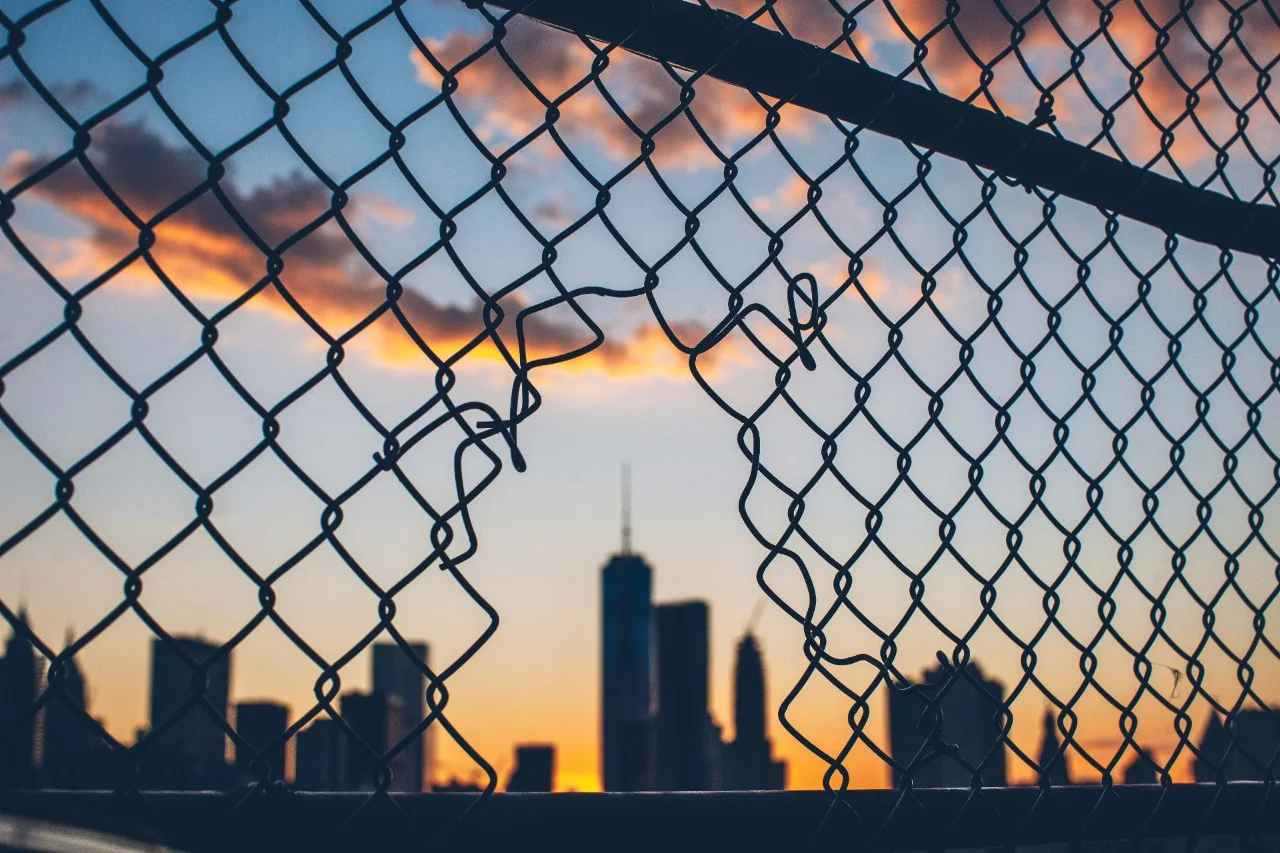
982,419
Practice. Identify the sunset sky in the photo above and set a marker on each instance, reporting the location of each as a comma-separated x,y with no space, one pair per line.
543,534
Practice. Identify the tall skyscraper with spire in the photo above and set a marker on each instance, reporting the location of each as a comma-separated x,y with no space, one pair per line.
750,757
626,682
21,674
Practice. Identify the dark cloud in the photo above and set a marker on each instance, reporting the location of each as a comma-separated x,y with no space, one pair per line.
18,92
208,252
553,212
149,175
13,93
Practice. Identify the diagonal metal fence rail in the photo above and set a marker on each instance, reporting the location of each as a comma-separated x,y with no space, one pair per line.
992,291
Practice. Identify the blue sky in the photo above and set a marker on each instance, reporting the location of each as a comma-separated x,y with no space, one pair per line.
543,534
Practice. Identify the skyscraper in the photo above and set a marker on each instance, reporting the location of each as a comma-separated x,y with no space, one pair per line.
626,683
321,757
1052,761
396,673
685,752
262,726
74,756
190,752
376,719
750,765
964,715
21,673
535,769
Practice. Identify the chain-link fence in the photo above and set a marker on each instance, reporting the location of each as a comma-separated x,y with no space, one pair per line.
991,289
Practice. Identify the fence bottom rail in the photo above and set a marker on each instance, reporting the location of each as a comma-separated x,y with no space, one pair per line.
929,819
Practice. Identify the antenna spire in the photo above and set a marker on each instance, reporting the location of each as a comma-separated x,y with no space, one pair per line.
626,508
24,589
755,616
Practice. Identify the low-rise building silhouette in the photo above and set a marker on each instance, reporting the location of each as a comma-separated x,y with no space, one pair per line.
320,759
377,720
1052,760
1247,748
535,769
947,708
1143,770
262,726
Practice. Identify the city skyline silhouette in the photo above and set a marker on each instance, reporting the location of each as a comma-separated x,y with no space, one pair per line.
647,744
297,384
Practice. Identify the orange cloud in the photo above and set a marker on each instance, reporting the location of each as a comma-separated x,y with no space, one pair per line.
217,249
790,196
980,33
385,211
815,21
554,62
